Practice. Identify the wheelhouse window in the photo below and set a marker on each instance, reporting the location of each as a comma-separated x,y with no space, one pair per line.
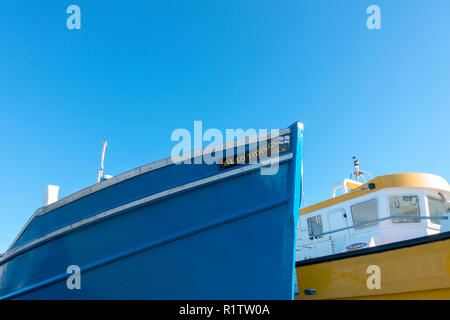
437,208
315,226
364,212
404,206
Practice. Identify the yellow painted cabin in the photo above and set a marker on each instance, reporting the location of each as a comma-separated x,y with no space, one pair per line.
387,238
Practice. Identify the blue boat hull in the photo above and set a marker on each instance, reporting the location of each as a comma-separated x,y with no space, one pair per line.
217,234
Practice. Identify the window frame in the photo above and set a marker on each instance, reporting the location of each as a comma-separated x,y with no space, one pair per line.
364,228
312,237
427,205
420,202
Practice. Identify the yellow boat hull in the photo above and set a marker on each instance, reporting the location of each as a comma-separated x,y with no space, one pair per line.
412,271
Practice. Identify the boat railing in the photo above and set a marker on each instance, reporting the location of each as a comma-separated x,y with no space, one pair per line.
378,220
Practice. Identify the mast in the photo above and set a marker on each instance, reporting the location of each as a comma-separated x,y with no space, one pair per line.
359,173
100,172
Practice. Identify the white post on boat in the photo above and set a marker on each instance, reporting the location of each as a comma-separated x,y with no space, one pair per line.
359,173
50,194
100,172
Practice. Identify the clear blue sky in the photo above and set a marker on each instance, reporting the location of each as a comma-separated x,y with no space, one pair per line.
137,70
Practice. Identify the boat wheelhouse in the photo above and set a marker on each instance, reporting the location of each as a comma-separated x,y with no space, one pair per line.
383,214
387,209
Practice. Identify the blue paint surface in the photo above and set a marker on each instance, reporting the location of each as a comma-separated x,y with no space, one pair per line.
230,239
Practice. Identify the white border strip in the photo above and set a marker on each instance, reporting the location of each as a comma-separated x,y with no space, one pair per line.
145,200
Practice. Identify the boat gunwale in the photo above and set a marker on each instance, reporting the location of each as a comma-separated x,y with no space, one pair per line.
152,166
13,252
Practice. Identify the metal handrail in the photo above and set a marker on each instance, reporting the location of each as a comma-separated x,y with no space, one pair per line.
380,219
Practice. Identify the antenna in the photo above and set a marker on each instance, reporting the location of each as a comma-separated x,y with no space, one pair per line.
359,173
100,172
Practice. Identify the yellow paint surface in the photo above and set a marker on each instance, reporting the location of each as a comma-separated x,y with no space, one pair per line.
401,180
417,272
